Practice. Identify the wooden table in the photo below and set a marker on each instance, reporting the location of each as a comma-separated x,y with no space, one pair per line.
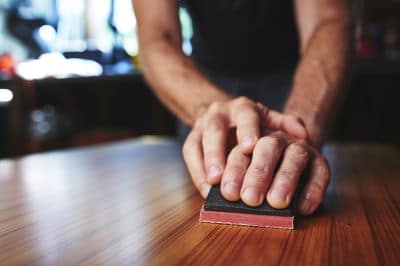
132,203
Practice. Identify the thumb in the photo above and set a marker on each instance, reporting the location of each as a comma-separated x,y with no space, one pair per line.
288,123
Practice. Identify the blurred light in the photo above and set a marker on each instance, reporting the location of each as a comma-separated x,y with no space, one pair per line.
186,24
57,66
104,46
47,33
43,128
38,116
125,21
187,47
6,95
131,46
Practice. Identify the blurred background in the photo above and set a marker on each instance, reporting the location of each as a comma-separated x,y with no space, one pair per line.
70,76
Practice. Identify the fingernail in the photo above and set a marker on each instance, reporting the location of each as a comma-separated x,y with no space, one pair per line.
252,196
213,174
248,142
205,189
306,204
279,197
231,189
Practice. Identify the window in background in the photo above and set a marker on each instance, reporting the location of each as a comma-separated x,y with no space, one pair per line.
108,24
71,27
125,23
103,31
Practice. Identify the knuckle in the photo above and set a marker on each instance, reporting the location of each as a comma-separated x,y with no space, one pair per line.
261,109
270,142
216,107
282,136
302,142
236,155
258,182
262,106
211,156
187,146
242,100
285,185
235,168
258,170
286,175
215,124
235,151
298,149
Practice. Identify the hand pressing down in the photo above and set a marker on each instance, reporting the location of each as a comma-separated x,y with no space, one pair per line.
206,148
264,164
273,172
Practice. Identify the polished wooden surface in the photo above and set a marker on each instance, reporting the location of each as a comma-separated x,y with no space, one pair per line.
132,203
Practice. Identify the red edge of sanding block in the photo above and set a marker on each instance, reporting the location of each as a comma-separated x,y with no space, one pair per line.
259,220
218,210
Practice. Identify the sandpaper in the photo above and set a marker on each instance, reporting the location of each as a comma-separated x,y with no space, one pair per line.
218,210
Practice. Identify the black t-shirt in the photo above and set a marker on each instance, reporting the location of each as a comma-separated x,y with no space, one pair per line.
244,36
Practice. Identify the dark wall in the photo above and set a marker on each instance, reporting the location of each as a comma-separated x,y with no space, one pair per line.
371,111
59,113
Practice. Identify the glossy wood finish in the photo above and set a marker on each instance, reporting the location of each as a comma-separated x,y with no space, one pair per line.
132,203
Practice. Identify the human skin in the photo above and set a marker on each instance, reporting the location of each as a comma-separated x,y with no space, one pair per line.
251,171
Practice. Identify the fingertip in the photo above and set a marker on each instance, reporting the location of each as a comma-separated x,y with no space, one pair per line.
252,197
276,201
305,207
231,191
205,189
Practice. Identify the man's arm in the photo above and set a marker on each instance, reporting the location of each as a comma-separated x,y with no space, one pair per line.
198,102
174,77
324,27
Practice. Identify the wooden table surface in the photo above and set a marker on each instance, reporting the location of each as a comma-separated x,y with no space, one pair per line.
132,203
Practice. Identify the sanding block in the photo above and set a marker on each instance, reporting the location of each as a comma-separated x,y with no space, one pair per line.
218,210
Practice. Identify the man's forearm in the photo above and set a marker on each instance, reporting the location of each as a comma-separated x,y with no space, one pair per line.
318,81
177,81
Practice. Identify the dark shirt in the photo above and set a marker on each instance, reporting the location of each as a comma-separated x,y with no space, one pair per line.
244,36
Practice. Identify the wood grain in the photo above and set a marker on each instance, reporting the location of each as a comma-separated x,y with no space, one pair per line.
133,203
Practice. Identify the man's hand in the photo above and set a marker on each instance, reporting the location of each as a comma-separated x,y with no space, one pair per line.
273,172
206,147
